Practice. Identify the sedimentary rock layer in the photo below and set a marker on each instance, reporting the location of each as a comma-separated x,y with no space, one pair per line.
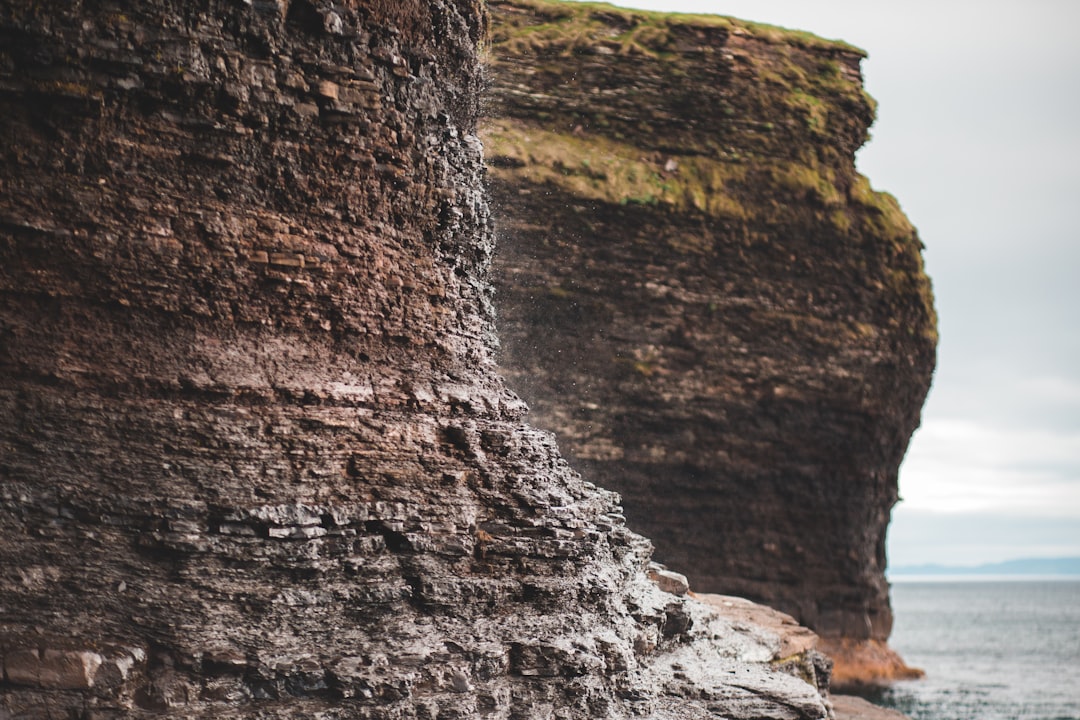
255,460
703,299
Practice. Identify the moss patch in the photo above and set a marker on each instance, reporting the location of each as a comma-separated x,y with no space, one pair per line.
598,168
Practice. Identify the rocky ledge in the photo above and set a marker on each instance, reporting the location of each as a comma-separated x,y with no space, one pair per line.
704,300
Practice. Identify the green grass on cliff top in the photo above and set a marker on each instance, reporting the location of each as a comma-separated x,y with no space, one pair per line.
578,14
600,168
550,31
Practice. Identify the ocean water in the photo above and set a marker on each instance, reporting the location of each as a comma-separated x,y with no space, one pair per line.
991,649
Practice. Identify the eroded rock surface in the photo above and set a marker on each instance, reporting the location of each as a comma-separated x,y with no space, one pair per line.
704,300
255,460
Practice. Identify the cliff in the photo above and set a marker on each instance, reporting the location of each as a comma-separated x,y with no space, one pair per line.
704,300
255,459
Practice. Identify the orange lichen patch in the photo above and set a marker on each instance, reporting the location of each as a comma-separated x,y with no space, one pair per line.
865,662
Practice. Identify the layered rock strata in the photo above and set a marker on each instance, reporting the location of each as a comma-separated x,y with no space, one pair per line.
255,460
703,299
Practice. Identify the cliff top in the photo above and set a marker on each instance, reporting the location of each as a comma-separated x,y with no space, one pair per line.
574,25
690,113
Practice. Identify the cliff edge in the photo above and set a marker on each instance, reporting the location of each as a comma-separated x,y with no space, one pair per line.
699,294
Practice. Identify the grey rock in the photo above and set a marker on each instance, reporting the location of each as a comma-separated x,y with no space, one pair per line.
668,581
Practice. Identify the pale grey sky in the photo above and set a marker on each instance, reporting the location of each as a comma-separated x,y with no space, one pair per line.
978,137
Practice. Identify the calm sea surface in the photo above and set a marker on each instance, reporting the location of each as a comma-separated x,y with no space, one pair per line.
991,649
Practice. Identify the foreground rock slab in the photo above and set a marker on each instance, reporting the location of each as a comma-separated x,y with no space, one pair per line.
801,651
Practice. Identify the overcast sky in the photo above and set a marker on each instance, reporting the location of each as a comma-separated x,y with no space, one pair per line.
978,136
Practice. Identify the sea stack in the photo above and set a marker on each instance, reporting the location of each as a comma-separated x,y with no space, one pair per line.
707,303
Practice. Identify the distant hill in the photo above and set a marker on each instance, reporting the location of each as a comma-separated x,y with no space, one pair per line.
1027,566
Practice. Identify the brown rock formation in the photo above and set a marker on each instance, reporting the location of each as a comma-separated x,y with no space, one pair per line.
704,300
863,663
254,457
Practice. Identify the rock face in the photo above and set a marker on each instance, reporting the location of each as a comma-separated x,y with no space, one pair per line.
255,460
704,300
